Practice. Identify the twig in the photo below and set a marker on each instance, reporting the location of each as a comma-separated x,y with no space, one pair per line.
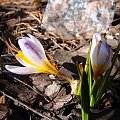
56,44
14,7
28,26
81,45
114,75
115,20
26,106
10,48
32,15
69,116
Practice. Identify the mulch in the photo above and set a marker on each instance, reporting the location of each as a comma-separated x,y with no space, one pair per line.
43,96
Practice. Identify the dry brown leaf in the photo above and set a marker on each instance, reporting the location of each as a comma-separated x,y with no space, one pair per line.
2,100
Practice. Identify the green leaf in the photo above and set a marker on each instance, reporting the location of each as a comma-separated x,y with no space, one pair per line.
85,99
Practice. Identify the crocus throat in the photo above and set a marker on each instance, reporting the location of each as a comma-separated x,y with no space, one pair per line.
45,67
50,68
25,59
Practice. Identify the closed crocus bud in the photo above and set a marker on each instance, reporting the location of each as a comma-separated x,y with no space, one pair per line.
99,55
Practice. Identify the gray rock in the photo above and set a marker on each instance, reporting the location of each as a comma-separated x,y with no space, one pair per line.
68,18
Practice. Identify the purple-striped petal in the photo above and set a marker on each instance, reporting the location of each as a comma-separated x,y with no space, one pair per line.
36,41
21,70
32,51
96,38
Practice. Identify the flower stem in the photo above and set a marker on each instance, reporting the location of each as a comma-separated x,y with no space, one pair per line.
73,83
85,99
65,76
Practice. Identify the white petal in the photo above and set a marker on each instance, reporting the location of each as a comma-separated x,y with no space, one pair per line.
23,63
95,48
93,53
96,38
21,70
37,42
32,51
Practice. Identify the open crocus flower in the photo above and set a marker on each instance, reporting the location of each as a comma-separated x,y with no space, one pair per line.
99,55
32,57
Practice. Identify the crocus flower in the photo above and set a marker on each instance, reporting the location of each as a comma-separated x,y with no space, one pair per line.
32,57
99,55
